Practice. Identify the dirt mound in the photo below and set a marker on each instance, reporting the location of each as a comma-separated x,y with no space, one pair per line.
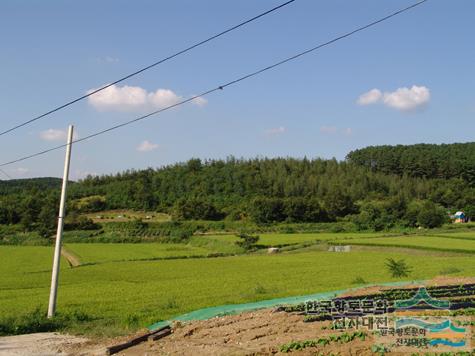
255,333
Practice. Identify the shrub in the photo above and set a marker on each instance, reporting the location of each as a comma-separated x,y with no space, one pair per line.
247,242
180,235
359,280
90,204
36,321
76,222
398,268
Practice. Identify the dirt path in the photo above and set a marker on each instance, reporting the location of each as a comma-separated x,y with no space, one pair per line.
43,344
72,259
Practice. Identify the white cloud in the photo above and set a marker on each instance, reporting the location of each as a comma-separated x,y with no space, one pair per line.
56,135
328,129
403,99
370,97
117,98
163,98
53,135
407,99
147,146
200,101
276,131
130,98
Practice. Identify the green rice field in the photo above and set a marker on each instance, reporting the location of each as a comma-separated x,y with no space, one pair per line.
121,287
421,242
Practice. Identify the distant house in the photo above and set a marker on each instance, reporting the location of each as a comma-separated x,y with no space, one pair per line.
460,217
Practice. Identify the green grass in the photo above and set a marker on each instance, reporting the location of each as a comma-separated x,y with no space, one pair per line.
281,239
225,244
462,235
20,263
118,297
121,287
288,239
107,252
421,242
198,246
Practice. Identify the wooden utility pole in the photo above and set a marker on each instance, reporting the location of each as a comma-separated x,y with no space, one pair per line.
59,233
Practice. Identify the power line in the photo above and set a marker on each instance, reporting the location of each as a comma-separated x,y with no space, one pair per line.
146,68
6,174
221,87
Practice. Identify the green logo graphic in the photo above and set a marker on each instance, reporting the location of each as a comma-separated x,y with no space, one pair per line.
421,296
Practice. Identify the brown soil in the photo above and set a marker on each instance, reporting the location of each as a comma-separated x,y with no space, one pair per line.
254,333
39,344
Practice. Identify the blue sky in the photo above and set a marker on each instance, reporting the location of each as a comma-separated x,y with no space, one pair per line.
420,63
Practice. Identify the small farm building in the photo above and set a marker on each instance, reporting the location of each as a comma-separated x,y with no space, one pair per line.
460,217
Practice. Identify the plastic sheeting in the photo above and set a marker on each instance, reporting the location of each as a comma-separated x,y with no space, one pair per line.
231,309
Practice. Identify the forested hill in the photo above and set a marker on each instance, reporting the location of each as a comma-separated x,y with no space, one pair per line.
423,160
15,186
262,190
231,184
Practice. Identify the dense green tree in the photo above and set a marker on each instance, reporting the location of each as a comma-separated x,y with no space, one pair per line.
337,203
195,208
379,187
470,212
410,218
47,217
422,160
266,210
300,209
381,214
431,215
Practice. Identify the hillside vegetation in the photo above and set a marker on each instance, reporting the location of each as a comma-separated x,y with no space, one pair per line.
376,188
445,161
15,186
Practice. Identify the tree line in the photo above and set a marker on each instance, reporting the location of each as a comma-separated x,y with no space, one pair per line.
444,161
260,190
